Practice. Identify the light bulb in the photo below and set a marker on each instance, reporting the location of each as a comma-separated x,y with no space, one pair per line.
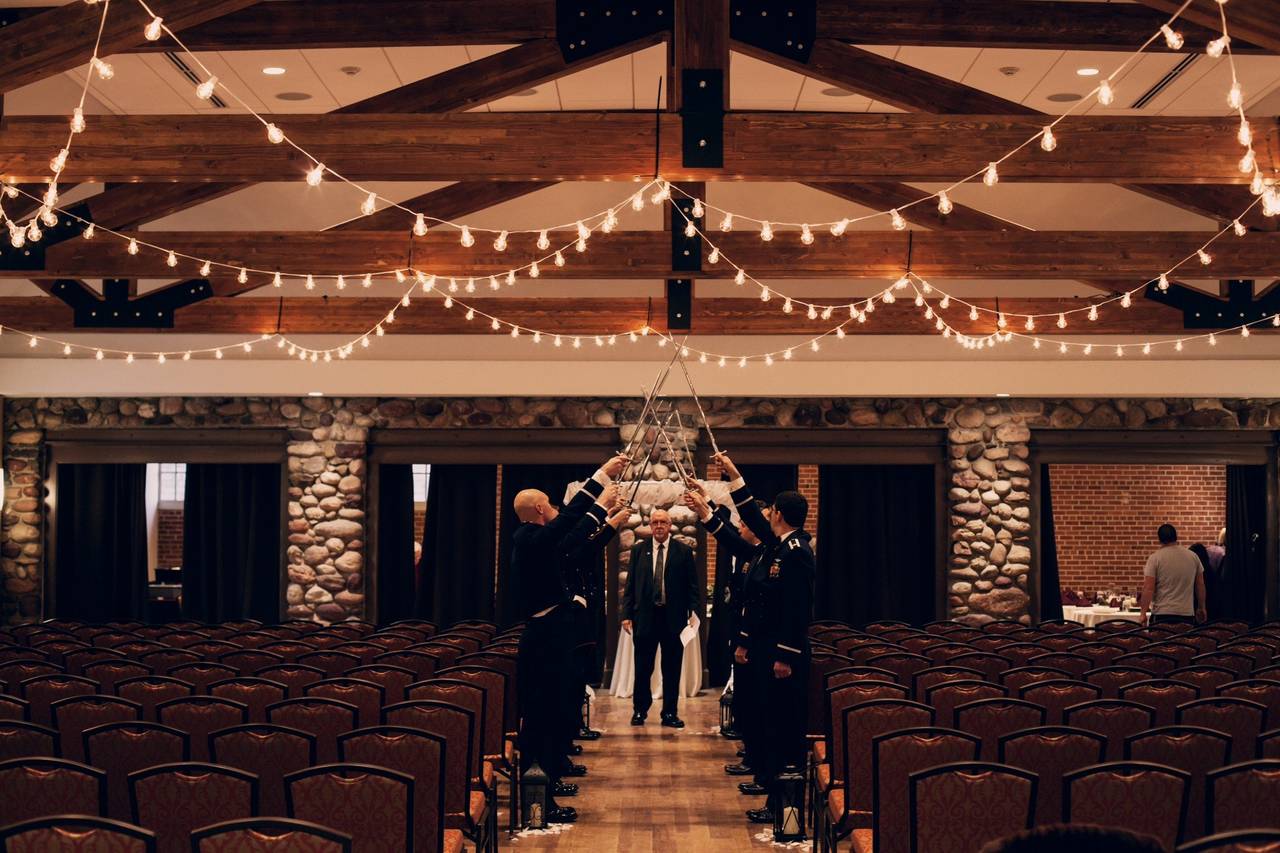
742,362
726,224
1171,37
133,246
88,231
766,231
311,282
205,269
1119,351
1030,325
186,356
944,203
1213,340
1162,282
1216,47
544,242
839,228
583,231
740,277
534,272
493,283
637,202
1244,331
274,134
1062,321
1205,257
33,231
205,90
765,294
991,176
537,337
1126,300
1245,134
276,280
154,29
1238,227
17,236
128,359
1048,141
341,283
104,69
370,204
840,332
315,175
66,349
465,237
59,162
1093,312
48,217
786,305
556,341
1257,186
714,255
610,222
768,360
946,301
1235,96
577,343
558,259
973,312
171,259
1062,348
495,325
1146,349
217,354
400,276
806,236
690,230
581,244
515,331
501,242
1088,349
1178,346
1106,95
896,220
1248,162
77,120
697,209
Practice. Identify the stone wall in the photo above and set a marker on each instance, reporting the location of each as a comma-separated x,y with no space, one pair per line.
989,491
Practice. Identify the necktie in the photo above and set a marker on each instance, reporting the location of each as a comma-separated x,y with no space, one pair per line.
659,574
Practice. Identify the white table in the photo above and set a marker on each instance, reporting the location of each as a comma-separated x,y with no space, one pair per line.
624,670
1091,616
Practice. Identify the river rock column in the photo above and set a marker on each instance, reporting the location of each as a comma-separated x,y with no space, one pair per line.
990,513
325,557
23,530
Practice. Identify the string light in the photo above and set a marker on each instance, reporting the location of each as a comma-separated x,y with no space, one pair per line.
501,242
315,175
369,205
465,237
1171,38
104,69
133,246
274,134
544,242
726,224
1235,96
896,220
838,229
154,29
205,90
1216,47
205,269
88,231
944,203
992,175
1048,141
1205,257
766,231
77,120
806,235
1106,95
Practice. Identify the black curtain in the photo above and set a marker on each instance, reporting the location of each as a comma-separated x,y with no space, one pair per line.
397,571
101,571
1050,589
1242,586
455,576
231,540
551,479
877,543
765,482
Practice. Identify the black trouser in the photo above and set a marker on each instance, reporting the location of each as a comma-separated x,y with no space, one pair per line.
660,635
1170,619
782,713
743,707
544,676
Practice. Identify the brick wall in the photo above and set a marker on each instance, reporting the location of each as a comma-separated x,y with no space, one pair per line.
168,538
1106,517
807,485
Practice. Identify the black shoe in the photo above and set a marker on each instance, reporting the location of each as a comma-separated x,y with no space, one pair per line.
738,769
672,721
752,789
731,734
567,814
637,719
588,734
575,770
564,789
759,815
742,753
575,749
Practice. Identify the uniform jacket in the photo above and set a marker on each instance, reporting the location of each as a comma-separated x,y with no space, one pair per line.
538,550
743,554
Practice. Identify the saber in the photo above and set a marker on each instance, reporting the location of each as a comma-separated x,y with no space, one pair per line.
652,395
675,457
698,400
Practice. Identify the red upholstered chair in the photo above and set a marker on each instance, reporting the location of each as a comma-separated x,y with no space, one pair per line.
390,641
1110,679
1264,691
332,663
421,664
963,806
270,753
903,665
13,708
464,695
71,833
392,679
253,639
166,659
494,684
248,661
850,674
198,716
947,696
1244,841
894,757
1162,694
364,652
990,665
943,653
213,649
1056,695
1268,744
1191,749
1138,796
56,651
924,679
1019,653
172,800
151,690
1061,642
1099,654
324,718
1002,626
289,650
202,673
180,639
1242,719
1076,665
1161,665
76,661
269,835
829,751
42,691
1240,664
991,719
367,697
39,787
1179,651
422,756
254,693
1114,719
294,676
918,643
1207,678
1051,752
20,739
73,715
1239,796
1020,676
1060,626
374,805
137,648
14,672
1261,653
121,748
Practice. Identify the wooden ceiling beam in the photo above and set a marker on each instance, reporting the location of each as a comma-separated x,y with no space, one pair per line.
618,146
585,316
62,38
1220,202
647,255
1252,21
450,203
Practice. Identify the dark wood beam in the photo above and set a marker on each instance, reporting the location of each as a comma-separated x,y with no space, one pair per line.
127,206
1040,24
452,202
586,316
1252,21
647,254
62,38
700,40
618,146
1219,202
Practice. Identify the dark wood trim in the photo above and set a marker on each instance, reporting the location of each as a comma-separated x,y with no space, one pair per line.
163,444
1148,447
492,444
874,446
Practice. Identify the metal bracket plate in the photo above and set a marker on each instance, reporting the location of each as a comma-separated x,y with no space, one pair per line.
31,255
585,28
679,304
702,144
115,310
784,27
1202,311
686,252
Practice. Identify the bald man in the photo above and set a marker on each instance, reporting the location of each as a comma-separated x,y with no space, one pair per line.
538,546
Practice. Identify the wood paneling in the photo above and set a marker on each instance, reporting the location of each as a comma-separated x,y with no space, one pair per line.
1254,21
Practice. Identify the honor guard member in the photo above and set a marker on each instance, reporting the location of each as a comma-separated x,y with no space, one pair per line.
545,646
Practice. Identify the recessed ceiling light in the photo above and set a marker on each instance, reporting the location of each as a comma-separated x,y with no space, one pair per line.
351,70
273,71
837,92
1009,70
1087,72
293,96
1063,97
321,394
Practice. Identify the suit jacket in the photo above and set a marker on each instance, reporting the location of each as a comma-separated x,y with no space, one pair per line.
681,583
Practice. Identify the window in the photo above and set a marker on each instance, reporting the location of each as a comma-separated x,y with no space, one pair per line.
173,484
421,477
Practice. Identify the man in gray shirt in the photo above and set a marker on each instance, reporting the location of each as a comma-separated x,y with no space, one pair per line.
1173,582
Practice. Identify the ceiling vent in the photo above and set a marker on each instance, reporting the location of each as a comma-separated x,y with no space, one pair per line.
185,70
1164,82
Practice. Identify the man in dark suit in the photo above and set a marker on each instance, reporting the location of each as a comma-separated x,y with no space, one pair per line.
662,594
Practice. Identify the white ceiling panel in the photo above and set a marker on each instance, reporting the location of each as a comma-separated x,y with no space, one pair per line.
351,74
544,98
648,72
56,95
950,62
1032,65
1205,92
1138,77
227,74
607,86
299,79
814,97
756,85
414,63
138,89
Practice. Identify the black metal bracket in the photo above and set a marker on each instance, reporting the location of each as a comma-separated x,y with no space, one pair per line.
31,256
679,304
702,144
115,310
1202,311
585,28
686,252
783,27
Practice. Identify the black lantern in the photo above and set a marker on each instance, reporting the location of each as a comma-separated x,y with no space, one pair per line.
788,805
534,785
726,713
586,713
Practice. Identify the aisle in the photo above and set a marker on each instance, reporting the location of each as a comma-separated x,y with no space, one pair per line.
656,790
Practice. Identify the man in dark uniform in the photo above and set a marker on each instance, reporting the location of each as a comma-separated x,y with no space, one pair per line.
538,547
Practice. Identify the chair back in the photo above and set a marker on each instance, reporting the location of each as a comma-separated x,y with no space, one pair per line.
73,715
254,693
121,748
202,673
1242,719
269,752
374,805
1191,749
966,805
20,739
991,719
1237,796
1114,719
294,676
40,787
895,756
1138,796
947,696
1162,694
452,724
1056,695
269,835
41,691
199,716
366,696
324,718
861,724
417,753
72,833
1051,752
172,800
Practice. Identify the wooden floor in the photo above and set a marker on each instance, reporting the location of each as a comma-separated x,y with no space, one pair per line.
654,789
